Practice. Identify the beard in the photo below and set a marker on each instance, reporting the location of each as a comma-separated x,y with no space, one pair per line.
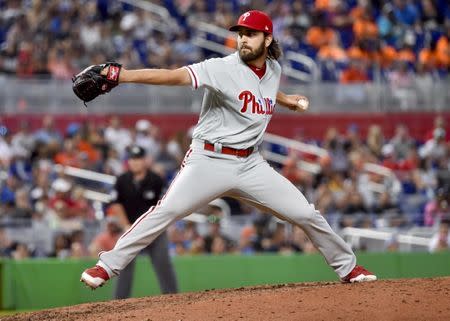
251,54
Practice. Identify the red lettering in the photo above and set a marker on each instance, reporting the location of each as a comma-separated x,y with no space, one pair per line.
255,106
261,107
247,97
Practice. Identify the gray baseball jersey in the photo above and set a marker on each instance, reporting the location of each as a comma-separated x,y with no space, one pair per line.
237,105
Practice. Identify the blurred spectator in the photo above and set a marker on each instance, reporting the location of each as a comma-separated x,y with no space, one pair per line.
147,138
106,240
22,208
69,154
387,24
354,73
6,150
20,251
184,50
375,140
61,247
441,240
402,85
427,58
23,142
439,208
406,55
117,136
443,48
219,245
352,201
439,123
64,204
5,244
436,147
380,192
405,12
47,133
401,142
364,26
246,239
113,164
8,191
321,34
60,64
333,51
215,241
431,17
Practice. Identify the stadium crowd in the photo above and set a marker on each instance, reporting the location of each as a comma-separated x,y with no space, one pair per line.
50,214
351,40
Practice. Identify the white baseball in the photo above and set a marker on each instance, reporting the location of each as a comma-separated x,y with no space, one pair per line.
303,103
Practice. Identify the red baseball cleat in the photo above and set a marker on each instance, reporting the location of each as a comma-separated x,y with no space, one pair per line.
359,274
94,277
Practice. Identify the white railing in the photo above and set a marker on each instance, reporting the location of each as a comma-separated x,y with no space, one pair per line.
87,174
356,236
291,144
312,76
165,19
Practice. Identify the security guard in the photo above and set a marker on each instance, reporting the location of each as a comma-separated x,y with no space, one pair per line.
134,193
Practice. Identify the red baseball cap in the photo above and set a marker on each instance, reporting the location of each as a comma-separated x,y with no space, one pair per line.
256,20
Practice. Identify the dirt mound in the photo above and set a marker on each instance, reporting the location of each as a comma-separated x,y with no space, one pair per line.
406,299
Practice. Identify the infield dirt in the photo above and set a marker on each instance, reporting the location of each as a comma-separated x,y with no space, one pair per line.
405,299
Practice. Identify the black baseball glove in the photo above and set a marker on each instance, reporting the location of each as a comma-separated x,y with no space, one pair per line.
90,83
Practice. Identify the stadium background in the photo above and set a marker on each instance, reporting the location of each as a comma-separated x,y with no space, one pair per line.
376,74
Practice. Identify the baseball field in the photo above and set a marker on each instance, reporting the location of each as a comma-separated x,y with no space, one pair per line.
400,299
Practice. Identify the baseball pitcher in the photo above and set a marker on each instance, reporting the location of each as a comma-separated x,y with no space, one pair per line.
240,95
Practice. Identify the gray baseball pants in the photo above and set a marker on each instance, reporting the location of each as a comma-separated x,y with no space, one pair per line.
207,175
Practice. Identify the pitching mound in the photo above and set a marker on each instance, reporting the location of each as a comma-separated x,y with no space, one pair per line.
408,299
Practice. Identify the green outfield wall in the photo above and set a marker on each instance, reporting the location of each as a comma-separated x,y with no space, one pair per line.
45,283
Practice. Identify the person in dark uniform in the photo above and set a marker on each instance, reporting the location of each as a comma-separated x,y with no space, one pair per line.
134,193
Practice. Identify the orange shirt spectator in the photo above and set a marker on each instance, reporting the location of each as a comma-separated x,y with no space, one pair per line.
388,56
67,159
332,52
354,74
356,53
68,156
92,153
365,28
427,57
407,55
322,4
357,13
106,240
443,51
318,37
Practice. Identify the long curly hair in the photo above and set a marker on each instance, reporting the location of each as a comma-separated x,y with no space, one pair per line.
274,51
